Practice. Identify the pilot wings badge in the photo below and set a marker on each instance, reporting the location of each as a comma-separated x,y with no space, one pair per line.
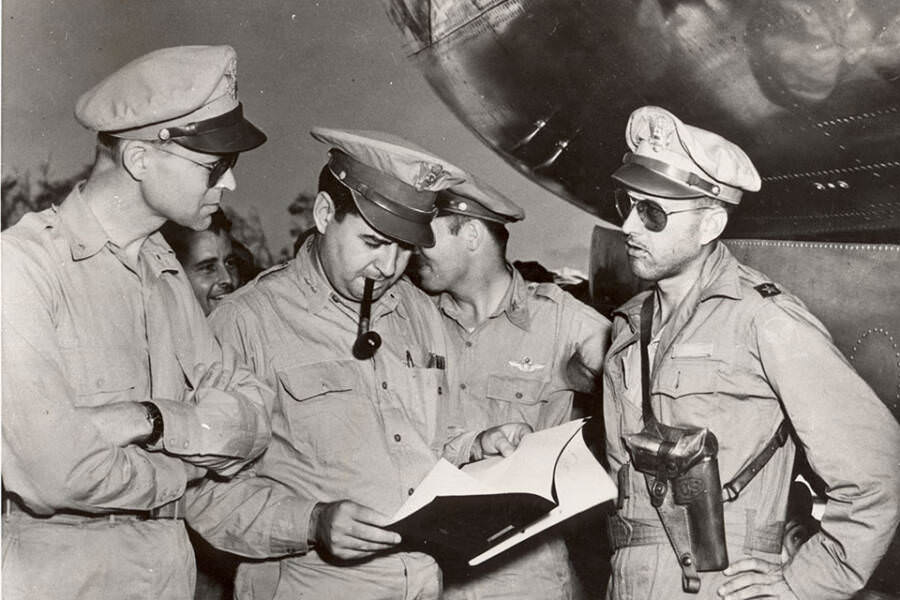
526,365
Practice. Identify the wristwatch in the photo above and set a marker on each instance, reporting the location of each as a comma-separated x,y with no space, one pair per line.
154,417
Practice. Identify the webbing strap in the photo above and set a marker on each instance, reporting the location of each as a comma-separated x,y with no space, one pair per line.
739,482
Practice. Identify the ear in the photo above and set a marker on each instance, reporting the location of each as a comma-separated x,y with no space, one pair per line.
473,234
713,224
136,159
323,211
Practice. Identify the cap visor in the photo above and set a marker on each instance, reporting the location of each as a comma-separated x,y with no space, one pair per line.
642,179
238,137
391,225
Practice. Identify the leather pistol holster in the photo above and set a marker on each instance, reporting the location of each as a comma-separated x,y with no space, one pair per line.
682,474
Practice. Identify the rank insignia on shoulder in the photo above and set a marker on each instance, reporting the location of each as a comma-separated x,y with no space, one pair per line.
767,289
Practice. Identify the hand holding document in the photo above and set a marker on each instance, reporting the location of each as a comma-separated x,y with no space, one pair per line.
489,506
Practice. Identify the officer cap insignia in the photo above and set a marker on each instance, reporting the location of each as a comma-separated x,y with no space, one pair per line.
767,289
429,175
661,130
231,78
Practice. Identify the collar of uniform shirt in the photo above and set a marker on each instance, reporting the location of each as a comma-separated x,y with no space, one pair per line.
85,235
318,291
719,276
514,304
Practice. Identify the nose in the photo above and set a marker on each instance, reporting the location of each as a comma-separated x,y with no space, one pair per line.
227,181
633,222
386,261
224,277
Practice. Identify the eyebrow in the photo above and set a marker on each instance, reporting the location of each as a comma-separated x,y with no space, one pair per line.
369,237
205,262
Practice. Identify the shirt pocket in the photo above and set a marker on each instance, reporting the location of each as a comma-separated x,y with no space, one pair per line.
425,405
100,376
515,399
327,414
681,378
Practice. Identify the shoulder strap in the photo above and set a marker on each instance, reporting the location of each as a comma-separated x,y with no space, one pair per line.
646,327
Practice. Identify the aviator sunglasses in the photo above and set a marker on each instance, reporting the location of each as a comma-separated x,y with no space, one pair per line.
652,215
216,169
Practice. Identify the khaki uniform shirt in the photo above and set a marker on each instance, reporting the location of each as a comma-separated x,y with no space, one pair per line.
83,328
738,356
513,368
343,428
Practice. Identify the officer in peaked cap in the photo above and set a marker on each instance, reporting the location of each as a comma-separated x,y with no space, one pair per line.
362,430
727,350
116,395
502,328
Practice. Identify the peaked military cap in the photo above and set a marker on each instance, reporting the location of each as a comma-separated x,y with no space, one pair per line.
393,182
186,94
476,199
673,160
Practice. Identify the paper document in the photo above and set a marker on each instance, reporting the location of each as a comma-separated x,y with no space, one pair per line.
477,512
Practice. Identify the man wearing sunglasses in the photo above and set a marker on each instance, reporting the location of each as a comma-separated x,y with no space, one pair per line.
715,348
115,393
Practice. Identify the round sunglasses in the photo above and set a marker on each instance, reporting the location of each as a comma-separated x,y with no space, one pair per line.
216,169
652,215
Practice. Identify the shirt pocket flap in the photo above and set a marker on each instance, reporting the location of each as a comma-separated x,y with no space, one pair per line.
686,378
309,381
522,390
97,370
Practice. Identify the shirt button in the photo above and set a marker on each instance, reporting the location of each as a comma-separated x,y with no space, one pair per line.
519,395
410,491
334,297
185,444
468,344
384,385
462,386
100,382
397,437
440,390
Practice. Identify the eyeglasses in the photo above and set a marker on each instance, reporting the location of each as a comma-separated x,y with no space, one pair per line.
216,169
652,215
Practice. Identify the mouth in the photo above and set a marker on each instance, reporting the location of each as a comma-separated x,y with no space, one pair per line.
635,249
219,295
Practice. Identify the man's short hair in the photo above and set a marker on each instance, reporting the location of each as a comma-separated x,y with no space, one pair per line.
340,194
497,231
178,237
726,206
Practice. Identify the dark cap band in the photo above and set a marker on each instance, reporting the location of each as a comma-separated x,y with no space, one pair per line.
223,134
662,179
386,192
449,202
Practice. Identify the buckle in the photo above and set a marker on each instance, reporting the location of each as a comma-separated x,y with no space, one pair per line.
171,510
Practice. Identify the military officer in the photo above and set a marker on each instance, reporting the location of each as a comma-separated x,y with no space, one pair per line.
729,352
115,392
353,432
520,351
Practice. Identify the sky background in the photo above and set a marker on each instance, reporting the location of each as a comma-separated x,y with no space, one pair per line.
336,63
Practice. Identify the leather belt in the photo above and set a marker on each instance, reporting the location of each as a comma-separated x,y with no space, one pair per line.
624,533
172,510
